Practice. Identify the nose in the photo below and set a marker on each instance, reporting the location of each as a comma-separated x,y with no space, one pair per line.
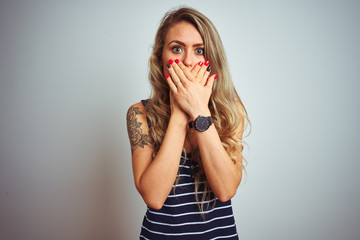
188,60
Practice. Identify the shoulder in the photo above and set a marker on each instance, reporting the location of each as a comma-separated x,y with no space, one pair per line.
136,114
137,108
137,126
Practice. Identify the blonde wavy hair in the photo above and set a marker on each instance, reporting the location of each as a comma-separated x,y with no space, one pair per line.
226,108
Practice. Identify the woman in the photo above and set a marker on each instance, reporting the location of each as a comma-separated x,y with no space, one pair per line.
186,140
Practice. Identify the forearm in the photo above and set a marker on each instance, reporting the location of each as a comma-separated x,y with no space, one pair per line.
158,179
222,174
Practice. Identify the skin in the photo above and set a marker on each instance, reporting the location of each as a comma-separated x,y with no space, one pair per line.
190,91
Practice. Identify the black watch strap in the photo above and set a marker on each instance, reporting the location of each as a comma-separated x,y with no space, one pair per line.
192,124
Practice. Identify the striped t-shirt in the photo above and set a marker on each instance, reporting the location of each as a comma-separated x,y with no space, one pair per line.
180,218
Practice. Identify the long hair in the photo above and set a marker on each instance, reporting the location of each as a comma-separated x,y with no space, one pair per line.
226,108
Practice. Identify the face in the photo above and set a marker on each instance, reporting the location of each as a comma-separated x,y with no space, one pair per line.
184,42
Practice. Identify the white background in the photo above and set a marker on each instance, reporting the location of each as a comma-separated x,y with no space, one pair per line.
69,71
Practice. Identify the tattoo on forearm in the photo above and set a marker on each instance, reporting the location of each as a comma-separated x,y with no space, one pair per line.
136,135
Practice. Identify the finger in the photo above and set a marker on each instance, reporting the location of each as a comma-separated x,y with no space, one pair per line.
174,76
171,93
206,76
202,70
171,84
210,81
196,68
182,71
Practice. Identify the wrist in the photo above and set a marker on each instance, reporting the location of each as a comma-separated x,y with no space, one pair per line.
178,121
195,114
201,123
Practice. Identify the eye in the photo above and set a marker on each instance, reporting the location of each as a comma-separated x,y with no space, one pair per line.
177,49
199,51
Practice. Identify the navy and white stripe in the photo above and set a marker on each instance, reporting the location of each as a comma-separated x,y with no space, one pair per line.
180,218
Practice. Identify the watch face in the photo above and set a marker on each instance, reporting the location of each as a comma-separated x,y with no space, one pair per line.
202,123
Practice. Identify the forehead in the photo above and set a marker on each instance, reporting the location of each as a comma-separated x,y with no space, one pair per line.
185,32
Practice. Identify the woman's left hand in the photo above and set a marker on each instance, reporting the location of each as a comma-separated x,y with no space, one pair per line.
191,88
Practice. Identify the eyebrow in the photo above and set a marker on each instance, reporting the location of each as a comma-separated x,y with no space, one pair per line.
183,44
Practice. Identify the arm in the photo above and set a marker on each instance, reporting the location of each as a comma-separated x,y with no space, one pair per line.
193,96
154,178
222,174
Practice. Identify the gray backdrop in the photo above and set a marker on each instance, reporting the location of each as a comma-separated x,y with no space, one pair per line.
70,69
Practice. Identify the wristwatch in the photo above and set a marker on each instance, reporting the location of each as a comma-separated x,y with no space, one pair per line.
201,123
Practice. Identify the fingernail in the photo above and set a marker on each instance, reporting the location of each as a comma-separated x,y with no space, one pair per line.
167,75
171,61
200,63
207,63
208,68
215,76
169,65
177,60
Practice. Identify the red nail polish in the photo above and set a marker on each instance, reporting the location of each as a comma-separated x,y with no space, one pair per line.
177,60
200,63
207,63
167,75
215,76
171,61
